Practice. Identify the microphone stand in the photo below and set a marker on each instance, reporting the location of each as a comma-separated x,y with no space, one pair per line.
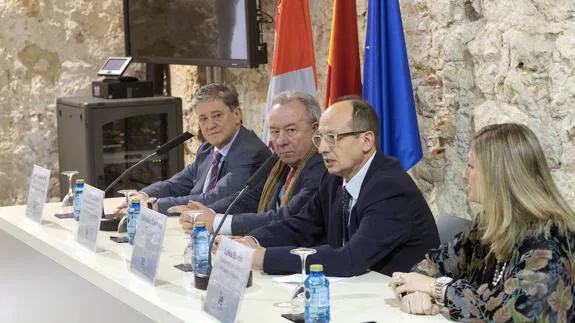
150,156
111,224
201,281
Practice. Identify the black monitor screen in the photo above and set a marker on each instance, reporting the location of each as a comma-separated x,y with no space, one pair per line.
190,31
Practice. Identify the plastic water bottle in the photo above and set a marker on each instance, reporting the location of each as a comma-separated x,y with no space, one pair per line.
200,249
133,215
316,296
78,192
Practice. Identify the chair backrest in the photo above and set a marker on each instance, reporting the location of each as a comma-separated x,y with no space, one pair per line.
449,225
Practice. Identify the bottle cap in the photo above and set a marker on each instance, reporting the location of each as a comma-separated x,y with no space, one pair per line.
316,268
135,199
79,181
200,224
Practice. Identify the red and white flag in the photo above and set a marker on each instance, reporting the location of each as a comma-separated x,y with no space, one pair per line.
293,66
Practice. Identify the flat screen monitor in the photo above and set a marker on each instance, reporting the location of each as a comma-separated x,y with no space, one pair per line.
194,32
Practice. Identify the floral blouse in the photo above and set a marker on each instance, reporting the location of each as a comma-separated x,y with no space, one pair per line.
537,284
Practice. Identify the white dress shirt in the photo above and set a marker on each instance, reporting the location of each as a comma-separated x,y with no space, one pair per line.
223,151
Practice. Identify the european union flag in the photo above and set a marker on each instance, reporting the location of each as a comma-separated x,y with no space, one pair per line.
387,82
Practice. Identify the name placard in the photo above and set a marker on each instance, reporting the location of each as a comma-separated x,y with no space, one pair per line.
37,192
90,216
229,276
148,244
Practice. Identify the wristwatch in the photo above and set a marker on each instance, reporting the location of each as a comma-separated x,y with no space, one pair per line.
438,289
152,203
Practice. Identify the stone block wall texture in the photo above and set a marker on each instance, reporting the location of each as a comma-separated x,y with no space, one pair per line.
48,49
473,62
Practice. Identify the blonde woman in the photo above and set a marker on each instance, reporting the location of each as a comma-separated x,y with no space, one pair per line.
517,261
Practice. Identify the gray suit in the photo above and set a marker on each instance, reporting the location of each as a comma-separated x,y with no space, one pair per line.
246,154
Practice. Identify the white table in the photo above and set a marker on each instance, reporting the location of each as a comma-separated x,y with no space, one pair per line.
103,287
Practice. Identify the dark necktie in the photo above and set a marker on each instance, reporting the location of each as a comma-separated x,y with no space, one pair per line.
345,203
215,169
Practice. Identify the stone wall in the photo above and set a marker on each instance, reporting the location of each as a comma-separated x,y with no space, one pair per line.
472,63
48,49
476,62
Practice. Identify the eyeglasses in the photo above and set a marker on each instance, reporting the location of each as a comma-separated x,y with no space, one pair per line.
331,138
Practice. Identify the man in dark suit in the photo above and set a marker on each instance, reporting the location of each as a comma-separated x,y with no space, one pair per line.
292,181
223,163
367,213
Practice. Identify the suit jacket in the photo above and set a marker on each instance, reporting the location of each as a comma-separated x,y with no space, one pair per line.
246,218
246,154
391,226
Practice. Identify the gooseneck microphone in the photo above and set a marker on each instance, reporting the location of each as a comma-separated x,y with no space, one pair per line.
201,282
173,143
112,224
160,151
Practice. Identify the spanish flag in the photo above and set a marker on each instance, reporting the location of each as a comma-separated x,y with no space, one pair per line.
344,72
293,66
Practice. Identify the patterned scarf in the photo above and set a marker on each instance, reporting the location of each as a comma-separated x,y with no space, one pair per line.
275,177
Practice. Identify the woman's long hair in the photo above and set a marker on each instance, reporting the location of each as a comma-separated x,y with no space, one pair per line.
516,190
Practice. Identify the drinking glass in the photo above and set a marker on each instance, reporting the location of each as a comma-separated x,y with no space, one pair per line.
68,201
127,194
298,297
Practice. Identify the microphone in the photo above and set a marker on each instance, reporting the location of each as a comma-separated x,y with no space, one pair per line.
173,143
160,151
112,224
201,282
264,169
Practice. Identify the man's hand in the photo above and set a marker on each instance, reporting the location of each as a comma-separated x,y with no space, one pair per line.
258,261
187,222
123,208
248,241
194,211
216,245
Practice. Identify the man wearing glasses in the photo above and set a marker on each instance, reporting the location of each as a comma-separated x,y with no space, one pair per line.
367,213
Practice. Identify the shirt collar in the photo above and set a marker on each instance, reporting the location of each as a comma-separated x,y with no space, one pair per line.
354,185
226,149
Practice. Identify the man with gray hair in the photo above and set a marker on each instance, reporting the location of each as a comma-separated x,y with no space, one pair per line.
224,162
293,120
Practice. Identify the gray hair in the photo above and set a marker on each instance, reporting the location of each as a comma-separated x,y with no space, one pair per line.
217,91
309,101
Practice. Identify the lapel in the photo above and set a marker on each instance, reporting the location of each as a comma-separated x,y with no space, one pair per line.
204,168
335,219
236,146
354,217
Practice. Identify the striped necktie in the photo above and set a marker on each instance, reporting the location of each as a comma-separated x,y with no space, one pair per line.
215,169
345,203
